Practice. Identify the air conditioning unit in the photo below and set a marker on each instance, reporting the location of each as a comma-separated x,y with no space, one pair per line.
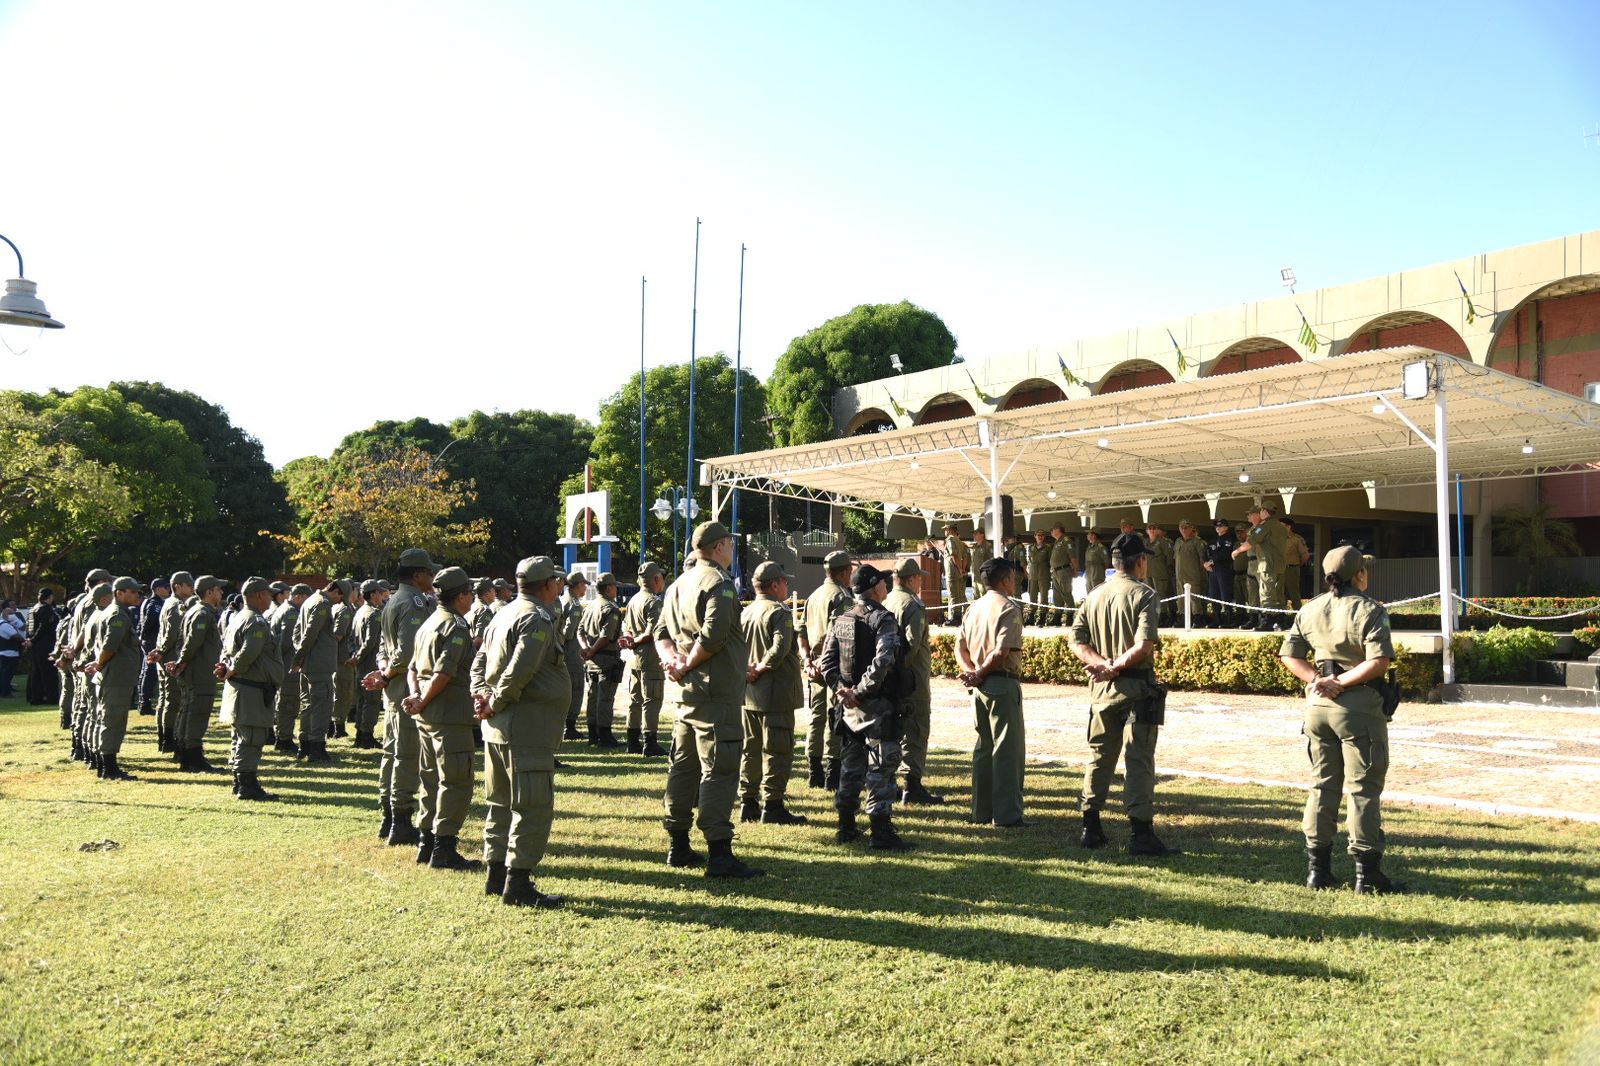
1591,392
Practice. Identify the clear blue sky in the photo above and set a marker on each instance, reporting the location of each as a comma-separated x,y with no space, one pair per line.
320,214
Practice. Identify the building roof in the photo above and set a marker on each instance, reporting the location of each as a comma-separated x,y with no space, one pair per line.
1303,427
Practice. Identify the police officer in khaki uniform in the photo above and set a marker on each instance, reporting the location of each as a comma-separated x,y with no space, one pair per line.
1271,542
826,602
989,654
482,609
113,673
772,692
403,615
250,672
193,673
79,653
645,678
567,620
521,690
1189,560
703,653
957,565
981,552
1116,639
915,711
1159,547
1096,561
441,705
1296,553
1338,645
284,621
1245,553
368,638
599,633
1063,565
1038,613
169,627
315,660
1013,551
344,671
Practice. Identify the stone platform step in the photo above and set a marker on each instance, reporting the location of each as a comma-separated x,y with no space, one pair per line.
1578,674
1529,695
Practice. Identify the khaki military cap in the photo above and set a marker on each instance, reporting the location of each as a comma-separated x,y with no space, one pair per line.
451,577
126,584
102,591
836,560
649,570
708,533
1344,563
372,587
1127,522
182,577
605,579
484,584
298,590
769,571
206,583
536,568
345,586
1184,523
97,576
576,578
908,567
253,585
500,583
279,586
417,558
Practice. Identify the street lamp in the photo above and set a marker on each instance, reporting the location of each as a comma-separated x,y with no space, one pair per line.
21,306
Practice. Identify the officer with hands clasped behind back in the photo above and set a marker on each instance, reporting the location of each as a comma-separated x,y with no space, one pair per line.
250,671
403,614
646,682
826,602
772,692
915,711
1340,646
1115,637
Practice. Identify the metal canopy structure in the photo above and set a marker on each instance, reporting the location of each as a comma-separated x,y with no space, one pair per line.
1338,424
1346,423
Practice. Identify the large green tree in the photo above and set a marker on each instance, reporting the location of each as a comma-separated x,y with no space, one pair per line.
848,350
666,390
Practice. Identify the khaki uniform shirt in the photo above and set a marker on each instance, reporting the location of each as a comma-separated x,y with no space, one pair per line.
1114,617
601,619
957,562
912,618
1269,543
202,643
397,628
444,646
994,622
112,628
1096,561
827,602
315,650
1161,558
525,675
703,605
251,653
639,625
366,633
1189,555
1061,555
1347,629
343,618
169,628
478,620
979,554
768,629
1295,551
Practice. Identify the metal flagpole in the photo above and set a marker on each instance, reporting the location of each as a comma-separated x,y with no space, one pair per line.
1441,506
694,318
738,388
642,525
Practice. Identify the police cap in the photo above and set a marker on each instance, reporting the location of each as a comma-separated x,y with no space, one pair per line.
1128,546
769,572
866,578
536,568
708,533
253,585
417,559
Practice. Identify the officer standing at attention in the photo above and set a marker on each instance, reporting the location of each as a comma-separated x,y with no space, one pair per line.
250,672
1271,542
1096,561
284,622
599,630
1338,645
772,692
521,689
169,632
78,652
368,638
1063,565
343,617
826,602
1246,551
645,679
915,711
62,657
482,611
1219,576
1159,549
567,622
1116,639
957,565
703,652
1015,552
194,674
316,658
149,629
1189,559
982,551
1295,555
113,672
402,616
861,664
504,593
989,654
441,705
1039,579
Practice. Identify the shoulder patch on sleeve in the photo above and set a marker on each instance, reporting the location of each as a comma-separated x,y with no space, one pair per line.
417,600
727,592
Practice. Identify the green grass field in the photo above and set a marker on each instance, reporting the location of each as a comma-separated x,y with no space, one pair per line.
220,932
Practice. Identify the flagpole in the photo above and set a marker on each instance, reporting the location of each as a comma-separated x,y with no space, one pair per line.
694,319
738,389
642,525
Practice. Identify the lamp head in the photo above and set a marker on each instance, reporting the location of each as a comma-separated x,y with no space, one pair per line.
21,306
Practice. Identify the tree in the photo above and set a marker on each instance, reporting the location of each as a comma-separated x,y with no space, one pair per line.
848,350
615,453
1531,535
521,457
361,512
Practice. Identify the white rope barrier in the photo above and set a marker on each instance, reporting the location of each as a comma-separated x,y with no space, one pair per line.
1523,617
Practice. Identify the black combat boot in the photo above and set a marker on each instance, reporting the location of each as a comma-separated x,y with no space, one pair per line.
401,831
1144,840
66,719
365,740
197,759
250,789
1370,880
831,781
608,739
817,779
425,843
520,892
495,882
286,746
112,772
653,748
235,784
446,857
847,831
163,744
1319,867
593,734
679,853
775,813
635,743
572,730
77,750
724,863
185,759
750,811
914,793
884,838
387,823
1094,834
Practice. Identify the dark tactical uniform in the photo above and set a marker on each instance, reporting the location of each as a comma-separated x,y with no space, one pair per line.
1220,579
869,734
769,701
1116,616
149,673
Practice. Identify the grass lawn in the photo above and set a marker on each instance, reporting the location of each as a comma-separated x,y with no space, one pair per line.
220,932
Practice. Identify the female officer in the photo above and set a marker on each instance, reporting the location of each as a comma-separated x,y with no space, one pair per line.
1339,645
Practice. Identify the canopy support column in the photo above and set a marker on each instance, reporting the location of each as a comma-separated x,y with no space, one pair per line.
986,430
1441,505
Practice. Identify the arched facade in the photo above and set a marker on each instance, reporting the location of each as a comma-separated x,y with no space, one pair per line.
872,420
945,407
1399,328
1032,393
1252,353
1134,374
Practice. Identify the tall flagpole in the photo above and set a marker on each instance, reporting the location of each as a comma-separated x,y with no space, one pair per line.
641,425
738,388
694,317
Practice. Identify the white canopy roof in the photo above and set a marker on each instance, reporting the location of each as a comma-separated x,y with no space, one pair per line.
1334,424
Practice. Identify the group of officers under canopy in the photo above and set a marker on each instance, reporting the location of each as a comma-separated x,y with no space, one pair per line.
453,663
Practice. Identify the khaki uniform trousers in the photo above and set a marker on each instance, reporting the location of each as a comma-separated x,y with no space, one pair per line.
1291,585
398,772
1270,582
111,715
956,582
704,764
316,707
68,680
818,733
194,697
1061,590
1106,729
1349,752
1038,596
344,693
248,740
575,672
600,697
85,699
916,721
166,712
444,767
369,708
288,707
519,786
1000,754
644,702
768,755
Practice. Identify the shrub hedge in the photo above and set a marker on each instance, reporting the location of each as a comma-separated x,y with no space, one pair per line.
1424,614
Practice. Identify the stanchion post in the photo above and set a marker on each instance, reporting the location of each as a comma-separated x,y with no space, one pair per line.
1188,606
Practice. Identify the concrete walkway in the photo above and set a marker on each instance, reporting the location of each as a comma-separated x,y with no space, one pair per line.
1498,760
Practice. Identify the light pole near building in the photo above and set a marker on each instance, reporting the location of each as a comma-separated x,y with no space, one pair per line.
738,388
642,505
694,317
21,306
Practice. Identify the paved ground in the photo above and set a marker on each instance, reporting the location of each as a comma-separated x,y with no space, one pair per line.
1492,759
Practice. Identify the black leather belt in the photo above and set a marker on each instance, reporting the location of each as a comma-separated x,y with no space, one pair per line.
1002,673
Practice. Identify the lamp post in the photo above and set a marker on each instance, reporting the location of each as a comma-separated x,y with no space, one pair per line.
680,505
21,306
772,441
